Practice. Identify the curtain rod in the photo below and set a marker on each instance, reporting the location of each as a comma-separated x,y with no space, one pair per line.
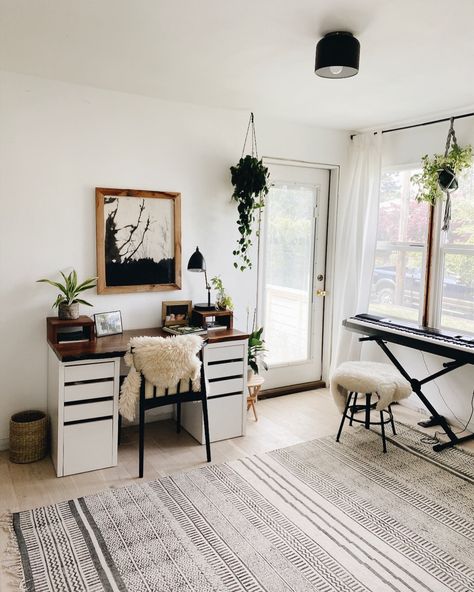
405,127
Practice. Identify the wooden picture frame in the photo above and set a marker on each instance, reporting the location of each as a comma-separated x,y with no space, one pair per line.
175,309
138,240
108,323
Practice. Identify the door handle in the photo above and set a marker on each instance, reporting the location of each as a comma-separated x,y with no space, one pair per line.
321,293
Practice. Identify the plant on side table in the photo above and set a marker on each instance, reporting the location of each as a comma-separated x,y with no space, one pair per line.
67,301
256,351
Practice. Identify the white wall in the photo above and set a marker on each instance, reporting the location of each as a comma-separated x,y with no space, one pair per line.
57,143
450,394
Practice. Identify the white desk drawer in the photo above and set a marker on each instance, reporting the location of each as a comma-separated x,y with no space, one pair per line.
226,369
88,446
88,390
228,352
225,417
223,387
83,372
88,410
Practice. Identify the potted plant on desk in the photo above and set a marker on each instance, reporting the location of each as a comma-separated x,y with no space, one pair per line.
67,301
224,301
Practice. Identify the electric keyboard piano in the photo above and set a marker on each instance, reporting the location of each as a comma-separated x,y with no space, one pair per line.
458,349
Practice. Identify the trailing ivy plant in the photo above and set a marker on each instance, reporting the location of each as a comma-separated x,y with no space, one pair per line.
428,181
250,180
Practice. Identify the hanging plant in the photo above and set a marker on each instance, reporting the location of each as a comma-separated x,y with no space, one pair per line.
439,173
250,180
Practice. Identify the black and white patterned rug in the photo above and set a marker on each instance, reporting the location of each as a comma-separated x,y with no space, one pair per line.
317,516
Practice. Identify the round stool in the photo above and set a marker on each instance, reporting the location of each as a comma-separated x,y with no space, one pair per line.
380,384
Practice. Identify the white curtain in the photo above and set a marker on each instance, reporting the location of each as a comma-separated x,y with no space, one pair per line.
356,233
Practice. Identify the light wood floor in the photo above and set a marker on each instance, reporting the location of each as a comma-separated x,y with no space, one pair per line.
283,421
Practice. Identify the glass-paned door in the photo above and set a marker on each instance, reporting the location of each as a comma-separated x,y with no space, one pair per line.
294,241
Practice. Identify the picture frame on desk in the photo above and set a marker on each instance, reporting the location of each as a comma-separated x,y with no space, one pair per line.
176,312
138,240
108,323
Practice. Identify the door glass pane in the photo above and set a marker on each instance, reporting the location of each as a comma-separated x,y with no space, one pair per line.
288,276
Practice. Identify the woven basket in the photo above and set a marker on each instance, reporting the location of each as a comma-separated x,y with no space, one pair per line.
28,436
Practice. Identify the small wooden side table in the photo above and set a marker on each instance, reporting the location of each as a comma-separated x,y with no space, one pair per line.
254,384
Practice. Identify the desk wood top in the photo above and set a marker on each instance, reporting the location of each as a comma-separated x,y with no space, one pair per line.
115,346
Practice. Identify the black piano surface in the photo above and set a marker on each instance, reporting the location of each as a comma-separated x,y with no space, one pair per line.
442,343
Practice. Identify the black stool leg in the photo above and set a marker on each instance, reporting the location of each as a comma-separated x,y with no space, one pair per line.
382,428
391,420
206,428
178,418
367,410
353,407
141,439
344,415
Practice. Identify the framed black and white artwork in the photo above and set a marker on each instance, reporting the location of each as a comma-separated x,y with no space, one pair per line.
138,236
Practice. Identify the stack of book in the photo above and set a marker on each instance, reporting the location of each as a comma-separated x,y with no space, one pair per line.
183,330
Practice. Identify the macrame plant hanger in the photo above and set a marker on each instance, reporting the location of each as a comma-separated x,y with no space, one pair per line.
251,126
452,185
253,140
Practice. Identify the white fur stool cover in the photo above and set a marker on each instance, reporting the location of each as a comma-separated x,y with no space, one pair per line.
368,377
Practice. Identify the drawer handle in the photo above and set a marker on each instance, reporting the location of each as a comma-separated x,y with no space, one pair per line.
216,362
226,378
83,401
106,417
224,395
90,381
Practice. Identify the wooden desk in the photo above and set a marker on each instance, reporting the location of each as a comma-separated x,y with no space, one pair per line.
83,391
114,346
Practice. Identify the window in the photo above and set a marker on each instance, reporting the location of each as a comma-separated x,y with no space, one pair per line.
399,271
455,308
399,287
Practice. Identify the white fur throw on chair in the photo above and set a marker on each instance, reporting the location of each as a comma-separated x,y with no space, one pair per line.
164,362
368,377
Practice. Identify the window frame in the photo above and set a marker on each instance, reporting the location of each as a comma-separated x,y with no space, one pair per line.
411,246
434,252
440,248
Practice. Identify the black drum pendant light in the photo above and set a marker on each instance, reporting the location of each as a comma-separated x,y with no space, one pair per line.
337,55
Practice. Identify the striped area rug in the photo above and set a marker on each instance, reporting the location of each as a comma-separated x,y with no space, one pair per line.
317,516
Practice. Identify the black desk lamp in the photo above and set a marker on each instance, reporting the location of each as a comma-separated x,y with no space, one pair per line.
198,263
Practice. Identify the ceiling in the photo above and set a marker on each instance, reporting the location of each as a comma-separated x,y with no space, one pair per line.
416,55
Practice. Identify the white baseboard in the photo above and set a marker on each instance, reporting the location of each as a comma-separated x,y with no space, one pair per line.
4,443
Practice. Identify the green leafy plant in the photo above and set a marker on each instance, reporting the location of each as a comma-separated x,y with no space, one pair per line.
70,289
256,350
250,180
224,301
428,186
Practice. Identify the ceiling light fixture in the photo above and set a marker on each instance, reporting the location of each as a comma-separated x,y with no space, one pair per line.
337,55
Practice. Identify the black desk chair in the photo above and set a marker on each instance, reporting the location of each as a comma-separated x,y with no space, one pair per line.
172,399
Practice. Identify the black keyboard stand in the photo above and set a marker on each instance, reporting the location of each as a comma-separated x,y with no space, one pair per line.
436,419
